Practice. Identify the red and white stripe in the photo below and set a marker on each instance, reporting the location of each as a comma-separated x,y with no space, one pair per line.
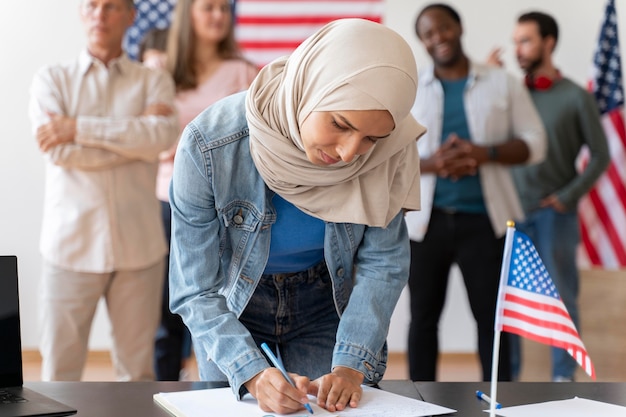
602,212
543,319
267,30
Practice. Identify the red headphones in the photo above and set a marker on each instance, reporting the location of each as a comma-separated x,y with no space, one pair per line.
541,83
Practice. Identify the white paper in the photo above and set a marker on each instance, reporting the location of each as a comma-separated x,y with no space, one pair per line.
379,403
222,402
576,407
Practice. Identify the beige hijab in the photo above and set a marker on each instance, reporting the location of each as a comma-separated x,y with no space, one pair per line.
349,64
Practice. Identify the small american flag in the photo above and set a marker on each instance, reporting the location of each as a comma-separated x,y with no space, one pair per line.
530,305
151,14
602,212
268,29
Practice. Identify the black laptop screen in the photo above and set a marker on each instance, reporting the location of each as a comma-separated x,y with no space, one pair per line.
10,342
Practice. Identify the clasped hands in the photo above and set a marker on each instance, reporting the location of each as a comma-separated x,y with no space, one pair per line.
61,129
334,391
456,158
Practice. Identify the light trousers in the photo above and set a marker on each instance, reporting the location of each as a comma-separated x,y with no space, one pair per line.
68,303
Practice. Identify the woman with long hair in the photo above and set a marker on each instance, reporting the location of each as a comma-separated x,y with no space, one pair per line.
207,65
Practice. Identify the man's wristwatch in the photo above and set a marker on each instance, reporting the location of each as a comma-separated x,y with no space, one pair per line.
492,151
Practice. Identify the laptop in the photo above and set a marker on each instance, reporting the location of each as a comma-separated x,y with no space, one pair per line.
15,400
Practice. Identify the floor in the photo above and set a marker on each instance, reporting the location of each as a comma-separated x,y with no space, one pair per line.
454,367
603,307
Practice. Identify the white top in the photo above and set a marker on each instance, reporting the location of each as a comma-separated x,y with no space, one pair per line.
100,211
498,108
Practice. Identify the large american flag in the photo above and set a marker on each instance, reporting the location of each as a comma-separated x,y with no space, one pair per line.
265,29
268,29
602,212
530,305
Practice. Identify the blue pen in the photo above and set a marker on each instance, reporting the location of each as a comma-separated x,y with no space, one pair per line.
279,365
481,395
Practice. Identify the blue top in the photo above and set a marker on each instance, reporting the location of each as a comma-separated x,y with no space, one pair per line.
465,194
222,219
297,241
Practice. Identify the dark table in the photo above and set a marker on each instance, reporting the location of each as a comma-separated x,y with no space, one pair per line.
461,396
114,399
134,399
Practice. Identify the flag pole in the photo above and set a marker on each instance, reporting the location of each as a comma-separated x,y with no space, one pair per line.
504,273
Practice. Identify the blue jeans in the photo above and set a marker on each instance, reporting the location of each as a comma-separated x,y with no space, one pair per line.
295,315
556,237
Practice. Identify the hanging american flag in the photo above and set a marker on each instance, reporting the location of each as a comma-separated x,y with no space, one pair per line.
602,212
268,29
530,305
150,14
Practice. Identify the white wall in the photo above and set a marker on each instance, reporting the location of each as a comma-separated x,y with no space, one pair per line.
487,24
37,32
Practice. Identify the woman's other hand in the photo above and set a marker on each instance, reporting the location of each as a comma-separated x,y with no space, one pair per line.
338,389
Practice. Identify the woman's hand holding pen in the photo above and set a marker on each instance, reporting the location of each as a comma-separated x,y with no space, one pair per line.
338,389
275,394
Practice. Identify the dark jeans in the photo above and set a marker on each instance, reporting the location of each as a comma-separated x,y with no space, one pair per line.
469,241
173,340
296,316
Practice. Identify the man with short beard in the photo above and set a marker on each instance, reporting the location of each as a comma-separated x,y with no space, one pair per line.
550,191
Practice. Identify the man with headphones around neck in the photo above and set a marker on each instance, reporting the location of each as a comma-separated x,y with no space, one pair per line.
550,191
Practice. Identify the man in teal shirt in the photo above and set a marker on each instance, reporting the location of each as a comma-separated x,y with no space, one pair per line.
480,121
550,191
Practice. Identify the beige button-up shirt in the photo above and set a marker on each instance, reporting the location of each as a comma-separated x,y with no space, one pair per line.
100,210
498,107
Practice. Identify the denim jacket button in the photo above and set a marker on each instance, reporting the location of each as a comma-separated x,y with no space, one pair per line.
238,219
340,272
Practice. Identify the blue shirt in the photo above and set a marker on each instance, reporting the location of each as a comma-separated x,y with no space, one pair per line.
464,194
297,241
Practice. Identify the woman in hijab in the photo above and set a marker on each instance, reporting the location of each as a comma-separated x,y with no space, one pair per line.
287,219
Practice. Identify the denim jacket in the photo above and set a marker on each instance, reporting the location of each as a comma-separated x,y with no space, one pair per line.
221,220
